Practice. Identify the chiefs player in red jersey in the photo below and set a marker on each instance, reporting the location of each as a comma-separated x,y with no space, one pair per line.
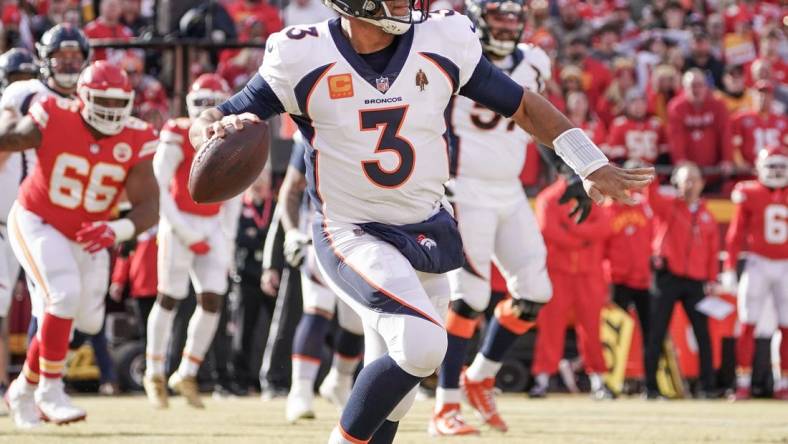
89,152
635,136
761,218
755,129
191,243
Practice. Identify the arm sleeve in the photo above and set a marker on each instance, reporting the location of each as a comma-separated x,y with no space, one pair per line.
492,88
120,272
596,228
659,203
256,97
734,237
553,232
165,163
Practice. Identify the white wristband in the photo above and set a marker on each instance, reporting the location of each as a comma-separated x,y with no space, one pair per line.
124,229
579,152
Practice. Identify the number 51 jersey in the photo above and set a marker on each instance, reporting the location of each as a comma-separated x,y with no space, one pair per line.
379,141
79,178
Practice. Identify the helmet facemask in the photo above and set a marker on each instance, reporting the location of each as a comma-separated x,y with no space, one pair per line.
500,25
106,110
381,12
772,170
65,65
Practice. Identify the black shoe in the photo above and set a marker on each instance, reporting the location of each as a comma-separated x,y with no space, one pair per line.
653,395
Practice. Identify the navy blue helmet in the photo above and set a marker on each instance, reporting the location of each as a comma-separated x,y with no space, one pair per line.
379,13
17,61
499,23
64,70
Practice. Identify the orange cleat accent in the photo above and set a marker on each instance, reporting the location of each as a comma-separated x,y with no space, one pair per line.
481,396
449,422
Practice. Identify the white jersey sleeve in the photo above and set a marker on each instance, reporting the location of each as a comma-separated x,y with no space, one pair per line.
17,93
539,71
284,53
461,45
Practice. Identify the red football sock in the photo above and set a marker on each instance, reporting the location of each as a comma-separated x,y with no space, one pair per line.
31,370
55,333
744,347
784,351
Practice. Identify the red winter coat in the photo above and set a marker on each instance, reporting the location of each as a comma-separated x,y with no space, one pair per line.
688,241
628,249
697,133
571,248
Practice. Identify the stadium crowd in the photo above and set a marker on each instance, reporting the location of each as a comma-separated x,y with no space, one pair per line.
697,88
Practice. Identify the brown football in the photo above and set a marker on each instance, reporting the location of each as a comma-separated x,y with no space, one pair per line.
224,168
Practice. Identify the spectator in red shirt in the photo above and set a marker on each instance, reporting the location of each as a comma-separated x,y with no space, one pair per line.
578,111
596,76
574,262
769,53
686,246
757,128
135,273
266,14
611,105
696,123
107,26
665,85
635,135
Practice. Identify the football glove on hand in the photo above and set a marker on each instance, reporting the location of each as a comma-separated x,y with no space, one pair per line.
96,236
295,247
583,203
200,247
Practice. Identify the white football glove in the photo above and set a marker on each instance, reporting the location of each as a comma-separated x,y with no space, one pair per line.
295,247
729,282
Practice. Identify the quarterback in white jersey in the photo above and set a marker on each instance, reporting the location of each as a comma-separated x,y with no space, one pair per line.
369,90
496,223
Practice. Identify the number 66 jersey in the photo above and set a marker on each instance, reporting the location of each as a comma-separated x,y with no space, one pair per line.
379,140
79,178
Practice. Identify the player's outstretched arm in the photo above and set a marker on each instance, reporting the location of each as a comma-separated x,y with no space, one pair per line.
18,134
143,193
542,120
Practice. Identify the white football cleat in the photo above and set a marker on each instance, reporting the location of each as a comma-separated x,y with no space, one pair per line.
299,403
22,405
336,388
55,406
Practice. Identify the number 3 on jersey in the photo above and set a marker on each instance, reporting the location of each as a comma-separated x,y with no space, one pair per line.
388,121
67,191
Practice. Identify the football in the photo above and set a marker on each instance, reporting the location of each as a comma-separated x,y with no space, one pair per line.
225,167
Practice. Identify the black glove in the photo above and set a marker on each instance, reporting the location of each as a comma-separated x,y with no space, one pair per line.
583,203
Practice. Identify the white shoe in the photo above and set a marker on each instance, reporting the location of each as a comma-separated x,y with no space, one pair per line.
337,438
299,403
22,405
55,406
336,388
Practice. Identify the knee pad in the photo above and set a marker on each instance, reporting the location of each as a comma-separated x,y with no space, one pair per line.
517,315
418,347
404,406
462,319
210,302
531,282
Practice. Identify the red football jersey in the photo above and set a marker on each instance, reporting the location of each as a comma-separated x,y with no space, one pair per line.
760,218
177,131
636,139
750,132
79,178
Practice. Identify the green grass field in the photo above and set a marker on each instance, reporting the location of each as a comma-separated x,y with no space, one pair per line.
559,419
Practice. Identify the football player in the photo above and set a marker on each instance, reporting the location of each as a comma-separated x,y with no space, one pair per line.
16,65
760,221
60,225
191,245
753,130
496,223
319,304
369,91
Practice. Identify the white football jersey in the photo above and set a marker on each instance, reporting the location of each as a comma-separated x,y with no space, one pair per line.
380,142
18,95
486,145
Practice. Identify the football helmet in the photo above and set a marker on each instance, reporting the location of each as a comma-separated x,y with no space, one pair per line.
207,91
379,13
772,167
499,23
63,70
107,97
16,61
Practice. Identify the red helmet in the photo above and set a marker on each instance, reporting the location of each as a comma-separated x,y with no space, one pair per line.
107,97
772,166
207,91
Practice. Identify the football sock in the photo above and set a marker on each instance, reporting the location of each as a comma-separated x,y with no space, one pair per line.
199,335
497,341
348,349
53,347
444,396
31,369
449,374
385,433
307,348
596,380
482,368
784,358
542,379
744,355
369,405
159,331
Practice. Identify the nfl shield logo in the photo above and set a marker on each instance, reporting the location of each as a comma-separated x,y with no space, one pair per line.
382,84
